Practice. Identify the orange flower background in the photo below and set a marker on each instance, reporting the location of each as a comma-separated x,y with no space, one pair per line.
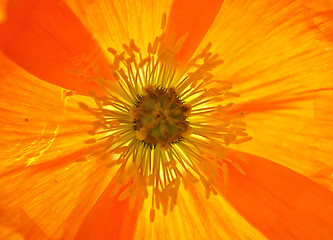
277,54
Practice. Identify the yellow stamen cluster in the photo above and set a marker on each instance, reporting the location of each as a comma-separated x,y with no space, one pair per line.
164,124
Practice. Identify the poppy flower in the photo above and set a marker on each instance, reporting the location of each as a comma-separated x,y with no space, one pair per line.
171,120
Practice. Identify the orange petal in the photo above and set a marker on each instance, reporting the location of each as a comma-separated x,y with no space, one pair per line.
279,57
42,133
299,130
70,192
46,39
193,18
16,224
3,15
271,48
110,218
114,23
195,217
38,121
321,12
279,202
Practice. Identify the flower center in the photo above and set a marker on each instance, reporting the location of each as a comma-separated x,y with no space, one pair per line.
163,124
160,117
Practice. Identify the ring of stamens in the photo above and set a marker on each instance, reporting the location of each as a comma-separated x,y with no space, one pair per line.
135,111
160,117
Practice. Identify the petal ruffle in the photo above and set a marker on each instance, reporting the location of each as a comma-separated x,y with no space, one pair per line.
279,202
46,39
279,59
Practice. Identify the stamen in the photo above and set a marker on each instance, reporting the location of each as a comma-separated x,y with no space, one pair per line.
165,125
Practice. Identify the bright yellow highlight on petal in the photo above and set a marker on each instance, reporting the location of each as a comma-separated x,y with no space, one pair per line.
165,125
